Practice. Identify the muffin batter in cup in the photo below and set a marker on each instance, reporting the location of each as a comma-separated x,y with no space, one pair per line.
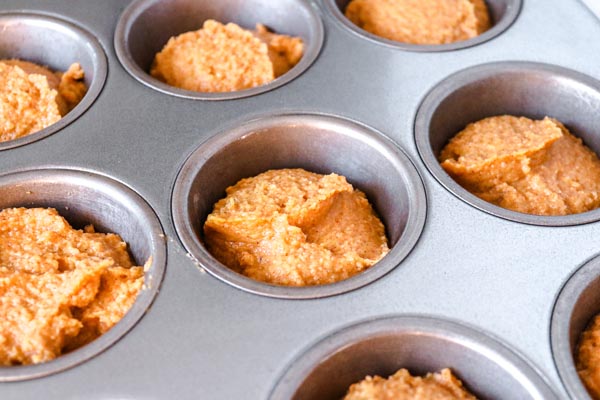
295,228
225,58
533,167
423,22
403,386
60,288
33,97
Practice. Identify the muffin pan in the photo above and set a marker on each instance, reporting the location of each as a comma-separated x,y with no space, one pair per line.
146,26
502,13
85,198
487,368
372,164
151,160
55,43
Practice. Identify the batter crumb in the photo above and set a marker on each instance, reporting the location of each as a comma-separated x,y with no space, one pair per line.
33,97
60,288
294,227
403,386
588,358
533,167
421,21
225,58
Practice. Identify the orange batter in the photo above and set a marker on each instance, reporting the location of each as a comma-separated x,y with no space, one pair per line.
403,386
60,288
33,97
225,58
534,167
588,358
297,228
421,21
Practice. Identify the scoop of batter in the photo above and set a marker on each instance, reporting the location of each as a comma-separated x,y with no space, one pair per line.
588,358
403,386
294,227
60,288
225,58
421,21
32,97
534,167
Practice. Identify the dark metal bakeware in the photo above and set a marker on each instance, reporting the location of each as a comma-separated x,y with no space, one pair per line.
203,338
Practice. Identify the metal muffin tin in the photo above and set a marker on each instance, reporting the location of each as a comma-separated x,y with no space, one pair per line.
577,304
204,338
382,346
85,198
372,164
146,26
55,43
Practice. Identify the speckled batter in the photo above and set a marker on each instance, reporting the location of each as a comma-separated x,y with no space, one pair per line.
33,97
534,167
294,227
403,386
588,358
421,21
60,288
225,58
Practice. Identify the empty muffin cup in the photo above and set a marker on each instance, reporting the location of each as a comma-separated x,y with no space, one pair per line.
146,25
487,368
55,43
502,14
576,305
317,143
85,198
526,89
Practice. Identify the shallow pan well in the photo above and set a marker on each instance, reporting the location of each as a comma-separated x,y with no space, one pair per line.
146,25
381,346
317,143
85,198
56,43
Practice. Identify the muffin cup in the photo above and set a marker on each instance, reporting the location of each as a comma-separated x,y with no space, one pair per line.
53,42
381,346
146,25
502,13
525,89
576,305
86,198
317,143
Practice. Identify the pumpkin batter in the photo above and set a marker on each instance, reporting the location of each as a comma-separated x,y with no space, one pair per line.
225,58
60,288
533,167
588,358
294,227
33,97
421,21
403,386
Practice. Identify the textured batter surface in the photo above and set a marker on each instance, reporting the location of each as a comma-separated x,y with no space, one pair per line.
403,386
534,167
33,97
421,21
588,358
60,288
293,227
225,58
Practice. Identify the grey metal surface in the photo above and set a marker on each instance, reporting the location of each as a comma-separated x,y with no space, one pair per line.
371,163
576,306
203,338
421,344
